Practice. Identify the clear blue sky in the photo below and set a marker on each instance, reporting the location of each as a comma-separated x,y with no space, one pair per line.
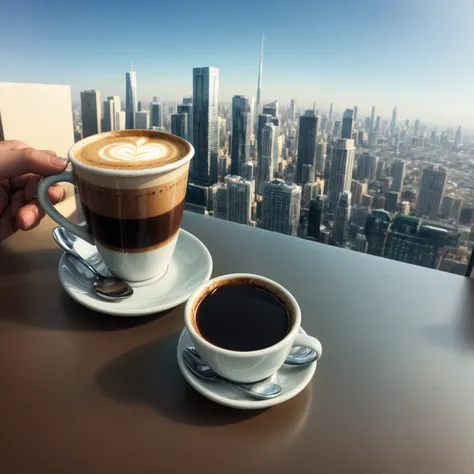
415,54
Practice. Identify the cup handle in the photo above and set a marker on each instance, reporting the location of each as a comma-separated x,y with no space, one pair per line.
304,340
45,183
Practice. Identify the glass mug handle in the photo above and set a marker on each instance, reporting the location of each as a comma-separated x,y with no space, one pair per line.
303,340
45,183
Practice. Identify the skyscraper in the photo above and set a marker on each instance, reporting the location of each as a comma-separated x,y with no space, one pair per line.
358,189
321,153
271,109
248,171
337,129
142,120
372,121
376,228
347,123
240,145
432,184
315,216
393,122
156,114
90,113
108,120
130,99
268,154
340,176
307,143
281,207
458,138
398,175
188,110
356,111
293,109
219,200
111,108
239,199
391,201
205,102
341,219
179,125
330,114
257,110
367,166
416,129
410,240
310,191
361,244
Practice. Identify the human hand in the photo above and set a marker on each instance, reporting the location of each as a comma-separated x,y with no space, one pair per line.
21,169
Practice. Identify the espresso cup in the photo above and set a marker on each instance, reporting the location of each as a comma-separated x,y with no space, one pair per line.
254,365
131,185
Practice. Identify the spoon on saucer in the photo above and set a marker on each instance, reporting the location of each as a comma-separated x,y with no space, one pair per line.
299,356
262,390
109,288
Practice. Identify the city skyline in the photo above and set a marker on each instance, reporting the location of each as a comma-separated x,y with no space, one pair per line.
392,58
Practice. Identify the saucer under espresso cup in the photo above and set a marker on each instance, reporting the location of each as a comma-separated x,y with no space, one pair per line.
189,268
244,326
292,379
131,185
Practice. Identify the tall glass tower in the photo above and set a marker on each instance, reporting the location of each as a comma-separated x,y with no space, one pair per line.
307,143
205,102
340,177
130,99
240,151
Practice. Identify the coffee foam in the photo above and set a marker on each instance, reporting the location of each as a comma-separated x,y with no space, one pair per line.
130,149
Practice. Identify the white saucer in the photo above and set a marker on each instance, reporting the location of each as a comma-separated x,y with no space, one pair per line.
292,379
190,266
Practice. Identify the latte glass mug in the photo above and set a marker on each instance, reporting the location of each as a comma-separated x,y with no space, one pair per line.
132,215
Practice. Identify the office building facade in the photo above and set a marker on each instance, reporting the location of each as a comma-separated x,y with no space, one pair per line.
433,181
90,113
307,143
240,194
281,207
241,130
340,177
205,104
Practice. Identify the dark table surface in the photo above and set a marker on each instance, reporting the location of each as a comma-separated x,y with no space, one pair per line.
83,393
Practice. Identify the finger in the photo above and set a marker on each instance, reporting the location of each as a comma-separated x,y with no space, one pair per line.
28,215
29,160
31,213
4,200
50,152
12,145
17,200
20,182
31,189
56,194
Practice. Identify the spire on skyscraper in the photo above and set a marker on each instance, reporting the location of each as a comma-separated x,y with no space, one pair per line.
259,87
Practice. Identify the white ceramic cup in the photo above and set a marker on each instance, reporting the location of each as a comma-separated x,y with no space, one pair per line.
249,366
121,205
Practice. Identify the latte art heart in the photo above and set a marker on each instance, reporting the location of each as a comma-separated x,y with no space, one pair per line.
140,150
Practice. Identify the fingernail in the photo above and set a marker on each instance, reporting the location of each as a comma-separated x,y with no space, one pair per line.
60,161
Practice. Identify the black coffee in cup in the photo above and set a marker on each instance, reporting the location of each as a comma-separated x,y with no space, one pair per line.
242,316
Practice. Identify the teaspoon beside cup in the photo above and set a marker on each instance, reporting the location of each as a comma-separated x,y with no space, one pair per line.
109,288
262,390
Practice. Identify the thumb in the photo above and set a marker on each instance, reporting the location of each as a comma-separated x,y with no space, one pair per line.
29,160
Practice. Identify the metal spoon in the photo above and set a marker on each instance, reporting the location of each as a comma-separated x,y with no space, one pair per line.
299,356
263,390
109,288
